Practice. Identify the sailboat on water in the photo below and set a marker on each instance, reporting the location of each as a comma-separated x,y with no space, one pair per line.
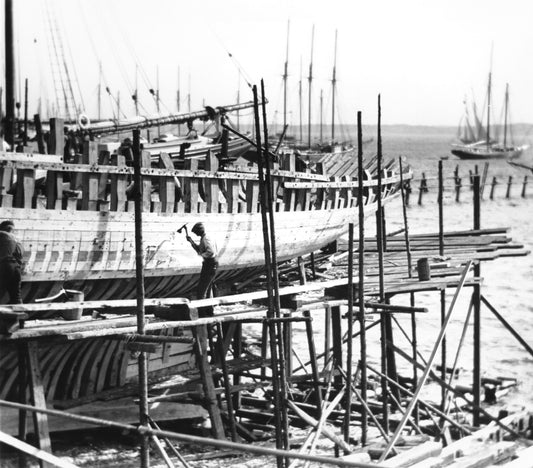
478,142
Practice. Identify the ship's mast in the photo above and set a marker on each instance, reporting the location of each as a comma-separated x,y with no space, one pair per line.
99,102
178,98
136,95
10,74
489,95
285,76
333,90
310,80
300,99
321,112
505,115
489,108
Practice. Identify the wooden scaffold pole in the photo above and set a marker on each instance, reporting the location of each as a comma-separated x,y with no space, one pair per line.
139,265
360,291
476,384
427,370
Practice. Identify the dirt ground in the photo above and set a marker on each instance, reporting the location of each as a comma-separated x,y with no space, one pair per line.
110,448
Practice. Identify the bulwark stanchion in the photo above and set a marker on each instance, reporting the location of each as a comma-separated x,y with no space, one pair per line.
476,384
139,265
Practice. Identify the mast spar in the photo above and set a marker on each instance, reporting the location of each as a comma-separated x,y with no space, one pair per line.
310,79
505,115
333,89
10,73
300,99
489,108
285,76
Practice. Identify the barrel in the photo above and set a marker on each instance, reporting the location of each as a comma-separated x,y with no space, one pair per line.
424,272
76,313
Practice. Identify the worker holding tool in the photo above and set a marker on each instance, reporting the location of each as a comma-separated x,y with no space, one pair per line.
207,249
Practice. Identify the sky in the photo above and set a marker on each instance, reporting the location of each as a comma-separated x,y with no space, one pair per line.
423,57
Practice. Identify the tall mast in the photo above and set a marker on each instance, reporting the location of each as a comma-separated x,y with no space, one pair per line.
189,95
157,89
136,95
178,98
310,80
333,85
505,115
321,113
10,74
300,99
489,92
489,108
239,101
285,76
99,102
178,95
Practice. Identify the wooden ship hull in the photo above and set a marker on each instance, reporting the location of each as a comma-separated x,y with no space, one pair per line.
77,227
484,152
76,224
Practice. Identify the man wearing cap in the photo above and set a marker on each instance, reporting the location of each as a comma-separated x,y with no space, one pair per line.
207,249
10,262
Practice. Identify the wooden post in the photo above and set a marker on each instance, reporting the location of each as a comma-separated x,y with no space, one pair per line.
39,134
360,290
524,185
327,335
56,139
275,335
336,330
37,395
484,178
410,274
385,322
22,383
443,291
211,185
227,387
312,359
89,200
423,187
349,354
423,380
167,185
476,384
142,361
458,182
509,183
200,350
492,187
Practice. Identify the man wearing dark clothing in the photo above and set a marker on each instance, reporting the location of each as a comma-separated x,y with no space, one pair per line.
10,263
207,249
